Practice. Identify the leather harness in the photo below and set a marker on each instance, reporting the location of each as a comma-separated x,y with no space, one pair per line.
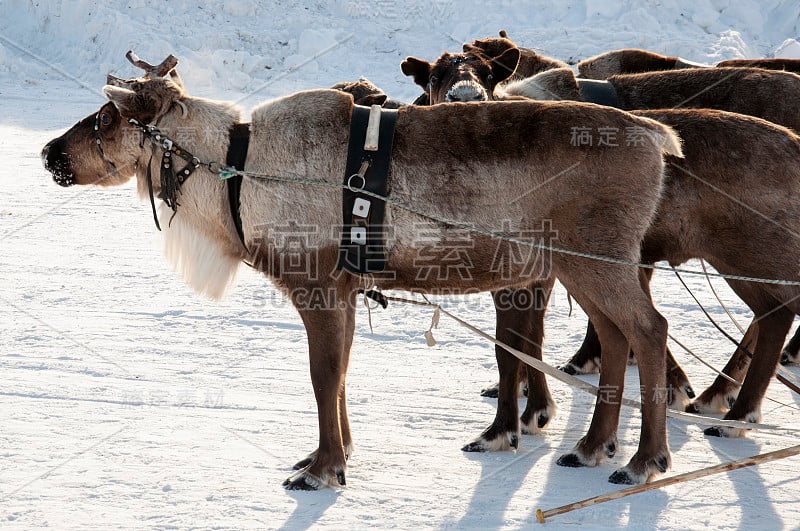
362,248
599,92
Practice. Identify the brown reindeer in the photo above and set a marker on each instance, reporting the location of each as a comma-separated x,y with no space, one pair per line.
742,90
635,61
485,166
530,62
474,74
770,95
364,92
729,202
451,77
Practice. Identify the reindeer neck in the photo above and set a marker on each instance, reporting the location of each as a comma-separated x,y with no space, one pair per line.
191,193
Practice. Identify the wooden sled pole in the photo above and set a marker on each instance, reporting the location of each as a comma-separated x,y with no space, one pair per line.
541,516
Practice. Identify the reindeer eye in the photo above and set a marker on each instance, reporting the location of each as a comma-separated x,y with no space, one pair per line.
432,80
105,118
489,77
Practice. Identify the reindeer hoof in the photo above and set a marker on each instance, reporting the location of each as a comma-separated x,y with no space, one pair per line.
300,483
591,366
340,478
611,449
621,477
542,420
571,460
692,408
475,446
534,421
715,431
492,441
569,369
491,392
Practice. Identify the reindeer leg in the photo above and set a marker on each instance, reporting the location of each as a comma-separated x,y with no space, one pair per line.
625,317
722,393
329,331
587,359
520,325
601,439
344,420
791,352
774,322
512,329
680,390
540,408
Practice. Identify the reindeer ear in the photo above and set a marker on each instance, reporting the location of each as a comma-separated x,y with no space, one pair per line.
419,69
374,99
504,65
130,104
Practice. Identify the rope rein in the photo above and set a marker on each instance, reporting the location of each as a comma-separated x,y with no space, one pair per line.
225,173
573,381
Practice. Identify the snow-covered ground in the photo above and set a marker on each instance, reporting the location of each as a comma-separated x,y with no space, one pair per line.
128,401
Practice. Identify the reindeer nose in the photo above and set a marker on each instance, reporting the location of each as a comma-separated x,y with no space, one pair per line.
57,163
466,91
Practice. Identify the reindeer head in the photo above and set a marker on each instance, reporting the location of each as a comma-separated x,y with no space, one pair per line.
103,148
468,76
364,91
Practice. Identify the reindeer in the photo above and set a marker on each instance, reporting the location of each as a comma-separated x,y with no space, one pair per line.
686,228
474,74
635,61
475,166
364,92
707,211
530,62
474,77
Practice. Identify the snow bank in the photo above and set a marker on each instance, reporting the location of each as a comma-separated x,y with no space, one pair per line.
241,46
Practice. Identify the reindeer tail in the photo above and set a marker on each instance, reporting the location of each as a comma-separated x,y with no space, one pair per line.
664,137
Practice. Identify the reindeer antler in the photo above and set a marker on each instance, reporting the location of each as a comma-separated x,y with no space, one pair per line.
117,81
167,66
151,71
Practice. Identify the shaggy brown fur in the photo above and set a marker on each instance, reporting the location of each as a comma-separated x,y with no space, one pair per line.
530,62
489,166
635,61
790,65
728,202
468,76
364,92
484,65
767,94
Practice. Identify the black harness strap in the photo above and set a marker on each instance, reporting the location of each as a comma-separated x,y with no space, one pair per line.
362,248
237,154
599,92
